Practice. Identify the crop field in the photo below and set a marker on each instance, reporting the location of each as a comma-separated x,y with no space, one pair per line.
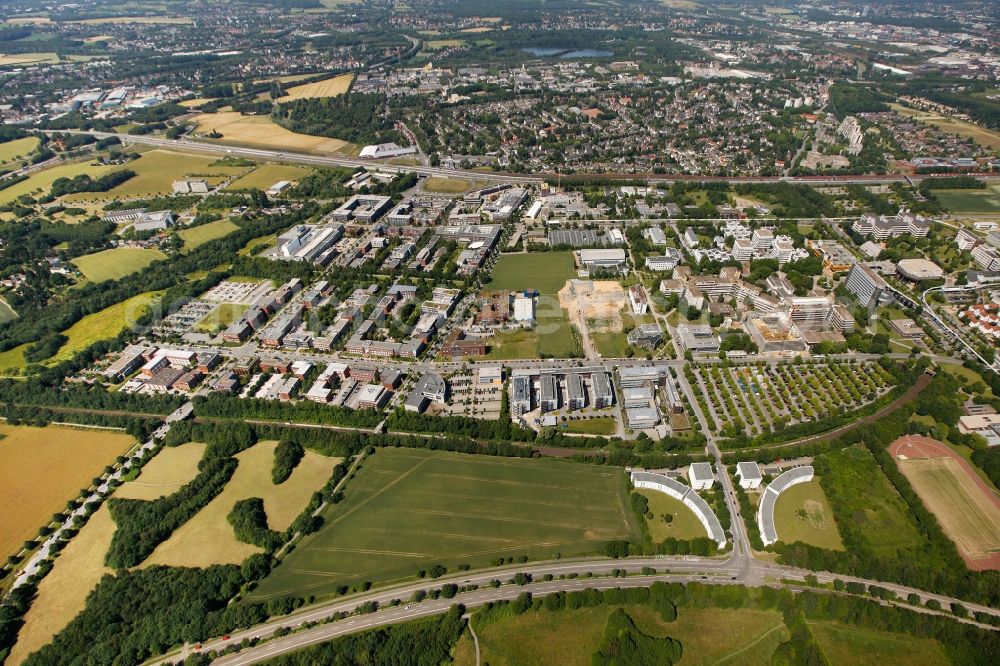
156,171
12,150
969,201
116,263
41,181
969,513
545,271
802,513
866,504
684,525
757,400
337,85
46,467
261,132
569,638
203,233
208,538
104,324
409,509
267,175
860,646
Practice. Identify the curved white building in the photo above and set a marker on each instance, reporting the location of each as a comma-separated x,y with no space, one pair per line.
689,497
765,509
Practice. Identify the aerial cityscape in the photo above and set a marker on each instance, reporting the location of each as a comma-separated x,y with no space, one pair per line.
597,332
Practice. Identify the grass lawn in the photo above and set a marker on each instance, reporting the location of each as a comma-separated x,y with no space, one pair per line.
802,513
46,467
602,425
610,345
514,345
569,638
447,185
208,538
685,525
256,242
156,171
545,271
332,87
40,182
261,132
222,316
969,201
103,325
267,175
409,509
556,336
116,263
859,646
12,150
864,501
203,233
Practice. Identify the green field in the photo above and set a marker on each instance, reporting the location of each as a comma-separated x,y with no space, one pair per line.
969,201
222,316
865,503
6,312
545,271
602,425
409,509
513,345
569,638
267,175
859,646
40,182
803,514
203,233
684,525
105,324
556,336
610,345
12,150
116,263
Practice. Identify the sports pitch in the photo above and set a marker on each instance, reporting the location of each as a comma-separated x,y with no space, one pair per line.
545,271
409,509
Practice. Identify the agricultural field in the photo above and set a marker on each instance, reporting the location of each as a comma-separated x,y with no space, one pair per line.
166,473
20,59
40,182
337,85
860,646
760,399
569,638
222,316
155,173
683,525
267,175
104,325
410,509
116,263
865,503
147,20
46,467
195,236
802,513
969,201
261,132
208,539
18,148
969,513
545,271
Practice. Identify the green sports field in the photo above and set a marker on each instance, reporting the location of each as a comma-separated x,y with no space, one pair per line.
545,271
409,509
116,263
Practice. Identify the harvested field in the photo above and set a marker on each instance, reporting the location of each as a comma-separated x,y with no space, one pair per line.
961,501
261,132
337,85
43,469
208,538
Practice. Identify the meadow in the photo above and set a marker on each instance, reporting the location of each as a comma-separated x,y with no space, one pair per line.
116,263
332,87
46,467
981,135
802,513
261,132
569,638
104,324
410,509
41,181
684,524
440,185
6,312
195,236
12,150
859,646
602,425
267,175
969,201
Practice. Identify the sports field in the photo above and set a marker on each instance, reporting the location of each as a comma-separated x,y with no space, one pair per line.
208,538
802,513
267,175
969,201
545,271
116,263
570,638
409,509
104,324
440,185
156,171
203,233
859,646
261,132
12,150
684,525
962,502
40,182
337,85
42,469
222,316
